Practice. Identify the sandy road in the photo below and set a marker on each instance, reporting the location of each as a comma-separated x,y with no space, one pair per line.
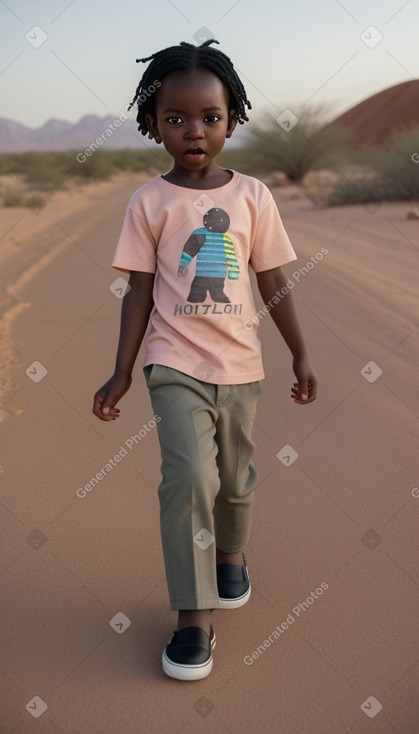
335,502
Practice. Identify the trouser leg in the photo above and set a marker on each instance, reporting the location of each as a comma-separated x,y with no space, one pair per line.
189,485
208,478
236,406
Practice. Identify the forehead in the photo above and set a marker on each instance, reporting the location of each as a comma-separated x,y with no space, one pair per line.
195,87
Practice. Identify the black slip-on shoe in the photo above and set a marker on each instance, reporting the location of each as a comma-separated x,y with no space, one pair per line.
188,654
234,585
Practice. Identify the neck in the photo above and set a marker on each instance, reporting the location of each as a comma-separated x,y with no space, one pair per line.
210,177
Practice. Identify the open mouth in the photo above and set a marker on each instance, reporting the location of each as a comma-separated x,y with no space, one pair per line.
194,154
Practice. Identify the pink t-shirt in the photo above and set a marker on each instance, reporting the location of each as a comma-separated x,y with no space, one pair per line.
199,243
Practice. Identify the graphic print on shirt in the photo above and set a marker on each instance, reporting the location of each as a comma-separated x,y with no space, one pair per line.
215,258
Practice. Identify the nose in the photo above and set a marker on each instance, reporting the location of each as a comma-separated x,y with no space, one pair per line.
194,130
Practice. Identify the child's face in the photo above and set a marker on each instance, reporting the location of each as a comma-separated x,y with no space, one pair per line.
192,114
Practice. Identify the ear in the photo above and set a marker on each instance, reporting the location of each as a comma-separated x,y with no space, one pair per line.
232,122
153,130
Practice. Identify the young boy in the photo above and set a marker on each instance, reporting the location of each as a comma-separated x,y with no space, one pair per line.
187,241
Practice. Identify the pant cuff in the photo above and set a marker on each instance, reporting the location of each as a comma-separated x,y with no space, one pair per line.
195,604
234,549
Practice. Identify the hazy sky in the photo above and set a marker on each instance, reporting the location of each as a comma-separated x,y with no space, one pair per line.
82,61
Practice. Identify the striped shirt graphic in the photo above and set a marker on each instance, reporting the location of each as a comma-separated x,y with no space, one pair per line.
216,256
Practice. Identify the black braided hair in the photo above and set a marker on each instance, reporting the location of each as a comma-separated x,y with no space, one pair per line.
184,57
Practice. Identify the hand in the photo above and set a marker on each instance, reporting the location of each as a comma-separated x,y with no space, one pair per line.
305,390
107,397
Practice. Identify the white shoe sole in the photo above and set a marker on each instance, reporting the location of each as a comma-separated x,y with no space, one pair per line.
235,603
187,672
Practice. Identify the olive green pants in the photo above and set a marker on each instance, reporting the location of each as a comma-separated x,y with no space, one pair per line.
206,492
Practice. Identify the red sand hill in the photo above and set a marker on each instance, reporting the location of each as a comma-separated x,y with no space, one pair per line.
376,118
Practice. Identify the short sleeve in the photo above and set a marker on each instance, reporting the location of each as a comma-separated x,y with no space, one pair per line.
136,248
271,246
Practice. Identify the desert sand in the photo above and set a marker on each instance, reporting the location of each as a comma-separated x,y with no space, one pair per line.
328,643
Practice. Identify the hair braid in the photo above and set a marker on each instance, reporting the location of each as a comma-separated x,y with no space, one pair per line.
185,57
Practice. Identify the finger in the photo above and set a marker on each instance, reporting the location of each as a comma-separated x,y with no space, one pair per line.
111,416
114,412
108,408
309,388
99,414
103,408
301,397
97,402
310,399
303,391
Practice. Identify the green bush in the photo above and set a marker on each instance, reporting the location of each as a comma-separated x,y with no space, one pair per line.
99,166
236,159
48,171
13,196
306,146
386,173
135,160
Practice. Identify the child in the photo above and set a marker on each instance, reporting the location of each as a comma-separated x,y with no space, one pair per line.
187,241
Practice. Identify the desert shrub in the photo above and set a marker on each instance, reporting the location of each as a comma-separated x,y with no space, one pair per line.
396,165
389,172
11,196
48,171
42,170
236,159
356,191
99,166
145,160
36,202
308,145
14,196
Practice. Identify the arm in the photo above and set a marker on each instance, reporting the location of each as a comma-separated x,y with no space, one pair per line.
135,313
191,248
285,318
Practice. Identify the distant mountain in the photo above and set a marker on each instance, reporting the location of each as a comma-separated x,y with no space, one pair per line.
62,135
117,133
375,119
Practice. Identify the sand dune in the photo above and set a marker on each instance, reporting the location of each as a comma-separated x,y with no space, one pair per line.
375,119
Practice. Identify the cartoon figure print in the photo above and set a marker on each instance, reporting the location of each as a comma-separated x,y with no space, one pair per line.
216,257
